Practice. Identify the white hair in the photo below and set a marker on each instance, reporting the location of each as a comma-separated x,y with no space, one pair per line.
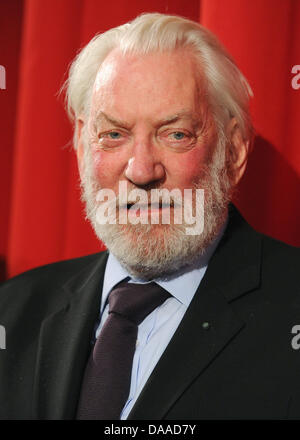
227,89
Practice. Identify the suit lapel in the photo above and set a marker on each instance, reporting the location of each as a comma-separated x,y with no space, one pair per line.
233,271
65,343
190,351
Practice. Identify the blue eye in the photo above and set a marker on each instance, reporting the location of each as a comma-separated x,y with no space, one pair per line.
114,135
178,135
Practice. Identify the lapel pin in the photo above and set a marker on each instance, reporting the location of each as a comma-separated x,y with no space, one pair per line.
205,325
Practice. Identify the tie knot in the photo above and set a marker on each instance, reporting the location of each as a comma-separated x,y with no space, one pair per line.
136,301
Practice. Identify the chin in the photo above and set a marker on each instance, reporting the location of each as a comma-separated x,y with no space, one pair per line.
153,251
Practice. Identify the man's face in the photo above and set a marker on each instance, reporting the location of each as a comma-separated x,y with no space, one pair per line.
150,126
151,121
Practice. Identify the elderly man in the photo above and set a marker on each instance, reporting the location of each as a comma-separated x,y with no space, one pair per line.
190,314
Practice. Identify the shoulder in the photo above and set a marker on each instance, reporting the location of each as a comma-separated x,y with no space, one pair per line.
280,275
51,273
276,251
260,263
275,255
42,282
280,259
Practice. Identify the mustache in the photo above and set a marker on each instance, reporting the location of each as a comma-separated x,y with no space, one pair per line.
134,198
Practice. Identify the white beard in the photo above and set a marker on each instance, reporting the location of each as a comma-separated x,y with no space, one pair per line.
152,251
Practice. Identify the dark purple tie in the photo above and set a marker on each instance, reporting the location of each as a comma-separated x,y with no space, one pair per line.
106,382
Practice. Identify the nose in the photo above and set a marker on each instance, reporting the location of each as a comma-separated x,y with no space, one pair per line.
144,166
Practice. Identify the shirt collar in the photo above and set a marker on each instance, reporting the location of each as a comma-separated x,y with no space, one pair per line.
182,287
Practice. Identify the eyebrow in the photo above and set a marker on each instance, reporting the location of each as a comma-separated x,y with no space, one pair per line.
184,114
117,122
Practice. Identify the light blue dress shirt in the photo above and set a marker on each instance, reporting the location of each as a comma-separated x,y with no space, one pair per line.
157,329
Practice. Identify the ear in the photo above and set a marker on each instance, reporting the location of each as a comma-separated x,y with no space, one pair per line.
237,151
79,144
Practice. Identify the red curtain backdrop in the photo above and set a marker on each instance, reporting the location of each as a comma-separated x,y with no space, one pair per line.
42,217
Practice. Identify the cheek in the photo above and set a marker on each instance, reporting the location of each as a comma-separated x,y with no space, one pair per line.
188,167
108,168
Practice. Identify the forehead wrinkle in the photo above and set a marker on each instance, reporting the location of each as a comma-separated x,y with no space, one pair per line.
170,119
102,116
194,111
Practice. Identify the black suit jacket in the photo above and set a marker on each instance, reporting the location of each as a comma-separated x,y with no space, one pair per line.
243,366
